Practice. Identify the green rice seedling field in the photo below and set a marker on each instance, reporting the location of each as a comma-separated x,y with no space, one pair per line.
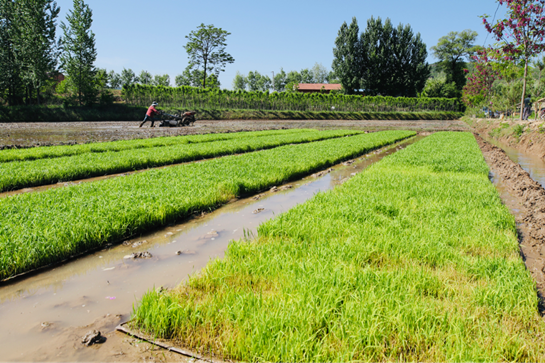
38,229
415,259
23,174
70,150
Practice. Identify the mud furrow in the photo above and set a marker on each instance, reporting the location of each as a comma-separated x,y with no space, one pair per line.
530,197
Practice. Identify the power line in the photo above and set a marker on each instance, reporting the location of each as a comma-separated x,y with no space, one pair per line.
487,34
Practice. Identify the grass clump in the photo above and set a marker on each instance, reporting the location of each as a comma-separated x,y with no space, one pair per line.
416,259
22,174
37,229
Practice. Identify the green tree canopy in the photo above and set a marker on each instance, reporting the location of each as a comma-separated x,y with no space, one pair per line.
206,50
128,77
114,80
347,57
38,47
239,82
280,80
161,80
393,59
194,78
79,53
28,48
145,77
453,50
383,59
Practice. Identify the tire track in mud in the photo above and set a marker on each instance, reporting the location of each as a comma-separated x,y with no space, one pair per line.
530,197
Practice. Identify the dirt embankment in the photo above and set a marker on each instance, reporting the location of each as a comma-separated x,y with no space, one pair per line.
530,196
527,136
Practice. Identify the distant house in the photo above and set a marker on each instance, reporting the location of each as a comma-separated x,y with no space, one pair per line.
318,87
59,77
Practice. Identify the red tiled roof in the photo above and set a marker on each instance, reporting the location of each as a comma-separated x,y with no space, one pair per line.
318,86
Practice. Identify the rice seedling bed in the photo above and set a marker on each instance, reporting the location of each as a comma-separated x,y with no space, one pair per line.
23,174
100,147
415,259
38,229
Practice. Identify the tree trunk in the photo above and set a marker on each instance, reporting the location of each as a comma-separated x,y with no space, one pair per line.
523,88
204,73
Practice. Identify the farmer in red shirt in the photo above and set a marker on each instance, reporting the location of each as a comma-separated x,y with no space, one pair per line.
152,111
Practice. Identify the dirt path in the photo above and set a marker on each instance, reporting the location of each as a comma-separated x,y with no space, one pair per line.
59,133
528,203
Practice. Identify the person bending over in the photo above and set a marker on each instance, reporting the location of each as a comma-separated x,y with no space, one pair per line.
150,115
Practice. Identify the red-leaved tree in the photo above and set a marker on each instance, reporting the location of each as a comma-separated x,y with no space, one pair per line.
479,84
521,33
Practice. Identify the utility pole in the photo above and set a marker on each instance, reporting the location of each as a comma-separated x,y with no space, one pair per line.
273,79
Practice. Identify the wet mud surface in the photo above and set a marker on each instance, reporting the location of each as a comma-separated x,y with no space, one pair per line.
46,315
67,133
526,200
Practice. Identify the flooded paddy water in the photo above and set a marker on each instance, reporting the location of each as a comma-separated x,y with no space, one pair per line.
44,316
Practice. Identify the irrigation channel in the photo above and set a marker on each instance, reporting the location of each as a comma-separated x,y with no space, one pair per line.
44,316
533,164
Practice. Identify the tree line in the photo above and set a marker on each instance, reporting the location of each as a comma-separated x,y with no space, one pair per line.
381,60
31,57
283,81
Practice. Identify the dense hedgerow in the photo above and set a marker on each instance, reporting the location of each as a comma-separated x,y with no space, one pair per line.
198,98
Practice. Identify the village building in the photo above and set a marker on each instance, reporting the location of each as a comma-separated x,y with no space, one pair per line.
318,87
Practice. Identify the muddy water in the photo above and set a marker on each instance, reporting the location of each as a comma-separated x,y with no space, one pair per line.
44,316
533,164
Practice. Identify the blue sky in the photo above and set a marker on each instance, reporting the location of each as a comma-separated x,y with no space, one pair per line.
265,35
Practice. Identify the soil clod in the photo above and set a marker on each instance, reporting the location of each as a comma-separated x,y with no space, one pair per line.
93,337
258,210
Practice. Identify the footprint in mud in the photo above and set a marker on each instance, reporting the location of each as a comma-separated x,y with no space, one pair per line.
276,189
136,244
136,255
258,197
210,236
322,173
186,252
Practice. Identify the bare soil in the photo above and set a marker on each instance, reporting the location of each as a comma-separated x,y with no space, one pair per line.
529,207
531,140
60,133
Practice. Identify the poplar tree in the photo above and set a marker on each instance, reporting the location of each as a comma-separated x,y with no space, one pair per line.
393,59
79,52
10,80
37,47
382,60
347,57
239,82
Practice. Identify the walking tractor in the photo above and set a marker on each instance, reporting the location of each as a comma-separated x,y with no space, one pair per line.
186,119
